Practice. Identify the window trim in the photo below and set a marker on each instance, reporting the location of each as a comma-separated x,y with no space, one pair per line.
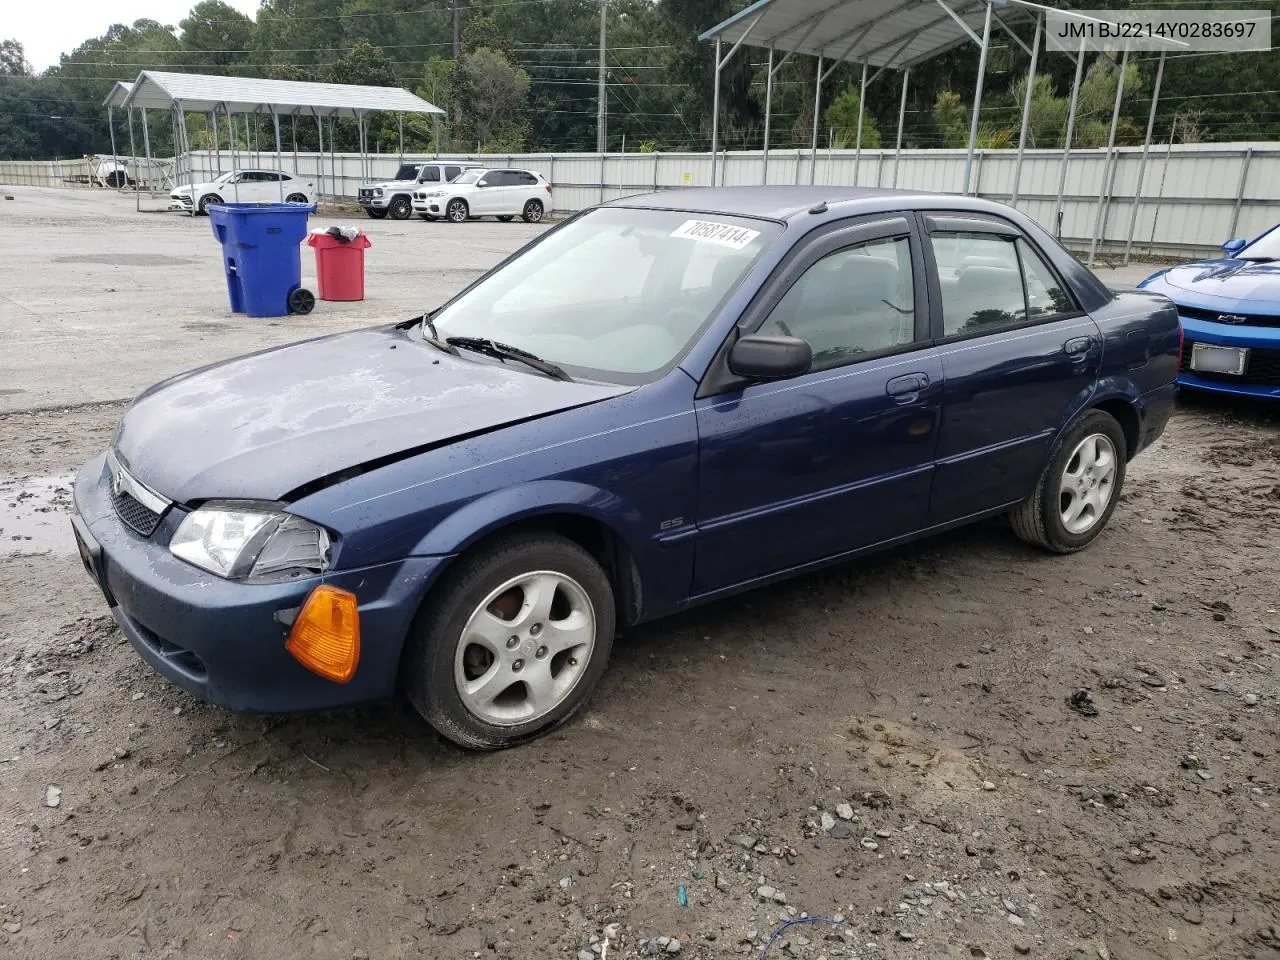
942,222
804,253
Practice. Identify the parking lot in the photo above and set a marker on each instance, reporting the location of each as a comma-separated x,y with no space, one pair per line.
918,700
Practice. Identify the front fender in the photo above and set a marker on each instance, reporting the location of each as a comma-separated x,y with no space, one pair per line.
510,505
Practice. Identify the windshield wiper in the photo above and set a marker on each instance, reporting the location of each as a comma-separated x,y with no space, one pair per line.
433,337
502,351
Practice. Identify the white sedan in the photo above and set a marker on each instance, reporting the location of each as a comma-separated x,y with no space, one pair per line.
243,186
504,194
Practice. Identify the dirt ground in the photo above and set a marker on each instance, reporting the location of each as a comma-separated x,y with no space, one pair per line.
926,689
889,745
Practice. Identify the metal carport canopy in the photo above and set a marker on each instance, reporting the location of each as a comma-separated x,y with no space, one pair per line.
119,94
199,93
881,33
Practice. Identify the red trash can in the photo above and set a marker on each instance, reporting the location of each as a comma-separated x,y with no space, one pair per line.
339,265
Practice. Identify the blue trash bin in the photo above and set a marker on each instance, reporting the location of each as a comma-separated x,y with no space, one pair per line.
262,257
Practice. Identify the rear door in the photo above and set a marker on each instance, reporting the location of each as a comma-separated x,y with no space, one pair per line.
841,457
1018,354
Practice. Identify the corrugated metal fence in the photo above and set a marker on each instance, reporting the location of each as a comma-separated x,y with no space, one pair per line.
1194,196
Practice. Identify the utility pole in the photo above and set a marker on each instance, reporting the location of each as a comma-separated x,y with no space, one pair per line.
457,34
601,109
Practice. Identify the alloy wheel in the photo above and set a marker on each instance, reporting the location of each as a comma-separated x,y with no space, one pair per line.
1088,483
524,648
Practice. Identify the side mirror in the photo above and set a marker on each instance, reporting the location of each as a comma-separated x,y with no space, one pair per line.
1232,247
770,358
482,183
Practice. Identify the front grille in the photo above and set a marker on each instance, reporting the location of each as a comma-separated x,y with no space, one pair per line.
134,515
1249,319
1261,369
366,194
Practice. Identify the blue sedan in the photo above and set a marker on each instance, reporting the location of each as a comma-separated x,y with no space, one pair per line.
1230,310
662,401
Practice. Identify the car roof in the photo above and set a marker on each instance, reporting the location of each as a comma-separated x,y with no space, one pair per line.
785,202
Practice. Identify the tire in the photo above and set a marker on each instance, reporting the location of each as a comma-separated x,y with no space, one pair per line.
207,200
296,198
486,587
1079,489
301,300
532,212
400,208
507,217
374,213
457,211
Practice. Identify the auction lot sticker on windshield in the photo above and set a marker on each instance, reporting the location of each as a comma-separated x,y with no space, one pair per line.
725,234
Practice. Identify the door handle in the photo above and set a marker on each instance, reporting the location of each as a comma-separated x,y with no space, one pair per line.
1076,347
907,385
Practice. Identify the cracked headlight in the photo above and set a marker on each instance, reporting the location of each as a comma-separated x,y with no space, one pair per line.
254,542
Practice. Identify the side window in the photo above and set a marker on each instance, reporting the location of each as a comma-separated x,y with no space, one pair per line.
430,174
1045,295
283,176
452,173
855,301
981,282
528,179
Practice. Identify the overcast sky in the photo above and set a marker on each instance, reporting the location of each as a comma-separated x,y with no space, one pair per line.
48,31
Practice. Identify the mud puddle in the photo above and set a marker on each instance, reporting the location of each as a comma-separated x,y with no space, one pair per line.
33,515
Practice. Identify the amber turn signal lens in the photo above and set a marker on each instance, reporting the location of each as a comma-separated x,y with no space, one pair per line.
326,636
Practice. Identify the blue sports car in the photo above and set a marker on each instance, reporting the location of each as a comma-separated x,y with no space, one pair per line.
661,401
1230,310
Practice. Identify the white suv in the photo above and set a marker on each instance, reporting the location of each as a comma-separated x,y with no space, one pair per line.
392,197
504,194
243,186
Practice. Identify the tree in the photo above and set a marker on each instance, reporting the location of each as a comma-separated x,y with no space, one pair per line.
217,37
842,118
951,117
364,64
489,96
13,59
481,32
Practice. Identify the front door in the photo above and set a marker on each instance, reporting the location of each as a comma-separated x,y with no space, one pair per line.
1019,357
841,457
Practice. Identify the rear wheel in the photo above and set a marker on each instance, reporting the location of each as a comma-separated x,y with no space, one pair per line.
400,209
512,642
457,211
301,300
296,198
209,199
532,211
1079,489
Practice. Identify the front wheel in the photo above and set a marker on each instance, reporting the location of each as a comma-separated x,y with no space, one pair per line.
208,200
1079,489
400,209
511,643
532,211
457,211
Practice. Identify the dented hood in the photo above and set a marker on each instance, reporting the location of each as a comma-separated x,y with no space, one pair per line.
260,426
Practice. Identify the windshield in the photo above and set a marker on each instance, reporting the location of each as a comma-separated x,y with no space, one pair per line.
408,171
470,176
616,294
1266,247
225,177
